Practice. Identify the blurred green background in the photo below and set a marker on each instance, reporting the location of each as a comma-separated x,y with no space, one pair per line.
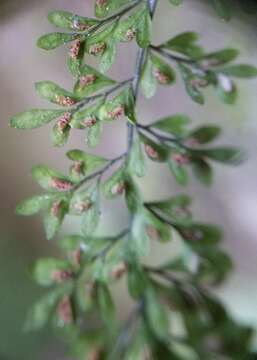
231,202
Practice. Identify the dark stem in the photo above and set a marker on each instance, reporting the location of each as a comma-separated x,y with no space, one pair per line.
114,241
163,274
164,138
172,57
99,172
135,89
158,216
136,80
111,18
102,95
125,335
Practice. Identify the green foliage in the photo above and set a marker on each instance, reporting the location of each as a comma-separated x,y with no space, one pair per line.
81,282
34,118
54,40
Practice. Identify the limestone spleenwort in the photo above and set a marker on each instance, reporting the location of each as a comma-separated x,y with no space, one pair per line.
175,313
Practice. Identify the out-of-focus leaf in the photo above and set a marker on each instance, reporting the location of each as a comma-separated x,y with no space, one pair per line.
54,217
221,57
44,269
33,205
115,184
173,124
41,312
176,2
105,302
205,134
179,172
222,8
156,315
91,217
154,151
185,43
227,155
240,71
202,171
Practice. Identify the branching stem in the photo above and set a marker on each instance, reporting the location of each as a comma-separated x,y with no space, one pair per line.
99,172
103,95
172,57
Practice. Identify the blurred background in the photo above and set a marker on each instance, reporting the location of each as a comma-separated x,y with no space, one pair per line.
231,202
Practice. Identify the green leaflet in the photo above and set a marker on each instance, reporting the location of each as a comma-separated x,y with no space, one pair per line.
174,125
138,25
80,119
156,314
50,179
205,134
91,217
222,8
146,228
227,155
34,118
89,162
221,57
94,134
144,29
134,198
155,151
54,40
136,163
215,269
163,72
202,171
185,43
102,10
72,242
240,71
33,205
44,268
120,105
148,80
55,94
137,280
179,172
60,137
115,184
54,217
103,44
191,89
105,303
176,208
226,90
42,311
70,21
108,57
75,63
90,81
